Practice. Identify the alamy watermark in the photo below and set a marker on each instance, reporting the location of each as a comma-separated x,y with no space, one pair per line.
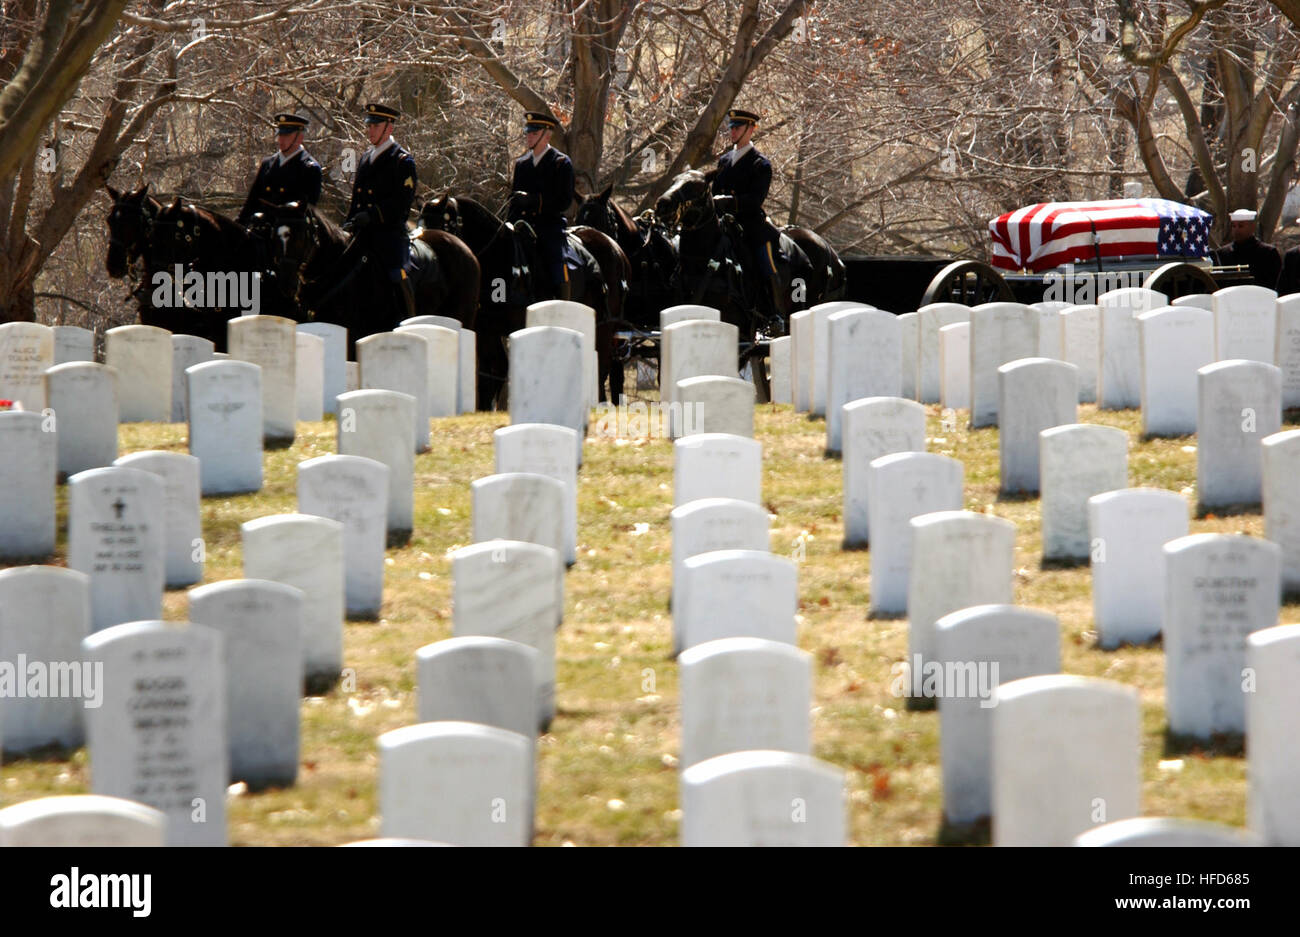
1082,286
949,679
60,679
213,289
653,420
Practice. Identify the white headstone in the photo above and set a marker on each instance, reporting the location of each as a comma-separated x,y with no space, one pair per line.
1218,589
675,314
874,426
717,465
1196,301
1287,345
910,331
467,369
335,360
1077,461
1081,346
352,490
979,648
456,783
225,431
1174,342
268,342
744,694
352,376
261,624
544,449
443,350
183,547
446,322
1239,403
821,345
307,553
44,616
709,524
902,486
1034,394
782,375
309,377
378,424
712,404
1119,375
81,820
954,366
490,681
968,561
26,350
160,737
581,318
187,351
1272,744
999,332
29,467
735,594
696,348
73,343
1049,328
83,396
1164,832
863,361
142,355
932,318
801,350
116,529
1128,531
763,798
519,506
399,361
1281,500
1245,323
546,369
507,589
1065,752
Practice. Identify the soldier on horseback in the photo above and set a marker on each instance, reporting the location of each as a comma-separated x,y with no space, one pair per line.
541,191
740,186
291,175
381,199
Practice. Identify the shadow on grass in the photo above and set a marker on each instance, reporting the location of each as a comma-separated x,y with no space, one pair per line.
1157,642
52,753
921,704
1228,510
979,833
1063,562
1220,745
1014,497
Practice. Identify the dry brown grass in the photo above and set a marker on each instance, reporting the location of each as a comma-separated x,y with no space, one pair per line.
607,770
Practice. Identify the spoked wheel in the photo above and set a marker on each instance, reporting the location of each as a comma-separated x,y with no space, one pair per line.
1181,279
969,282
756,358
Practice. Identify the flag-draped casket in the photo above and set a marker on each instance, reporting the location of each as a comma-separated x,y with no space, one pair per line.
1049,234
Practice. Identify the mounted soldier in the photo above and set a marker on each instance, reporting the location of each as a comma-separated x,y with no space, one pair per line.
740,186
541,191
291,175
381,200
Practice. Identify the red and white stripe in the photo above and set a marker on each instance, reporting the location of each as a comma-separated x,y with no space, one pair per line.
1049,234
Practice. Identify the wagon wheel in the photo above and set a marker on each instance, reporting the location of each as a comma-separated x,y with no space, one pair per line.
1180,279
969,282
756,358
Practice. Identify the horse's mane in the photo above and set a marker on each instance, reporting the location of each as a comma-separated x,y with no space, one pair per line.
470,206
331,229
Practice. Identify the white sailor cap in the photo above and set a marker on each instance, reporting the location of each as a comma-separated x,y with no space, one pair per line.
1242,214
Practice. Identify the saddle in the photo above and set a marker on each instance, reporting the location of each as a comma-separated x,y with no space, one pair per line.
422,264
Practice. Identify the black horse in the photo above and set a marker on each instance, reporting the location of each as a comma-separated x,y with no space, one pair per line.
206,267
130,225
655,282
512,279
333,280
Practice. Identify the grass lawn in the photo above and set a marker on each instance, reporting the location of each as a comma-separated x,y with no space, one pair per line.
607,769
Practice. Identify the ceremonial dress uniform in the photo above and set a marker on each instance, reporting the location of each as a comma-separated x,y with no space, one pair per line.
1264,260
381,201
1289,280
542,190
745,175
281,178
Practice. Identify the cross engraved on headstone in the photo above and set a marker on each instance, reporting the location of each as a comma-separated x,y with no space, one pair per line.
118,507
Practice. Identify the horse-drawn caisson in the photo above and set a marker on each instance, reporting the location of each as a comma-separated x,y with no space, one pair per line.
706,242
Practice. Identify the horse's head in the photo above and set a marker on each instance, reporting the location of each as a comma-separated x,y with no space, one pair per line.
177,235
688,201
597,211
442,214
130,222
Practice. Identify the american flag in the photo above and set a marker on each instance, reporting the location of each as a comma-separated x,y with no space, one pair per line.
1049,234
